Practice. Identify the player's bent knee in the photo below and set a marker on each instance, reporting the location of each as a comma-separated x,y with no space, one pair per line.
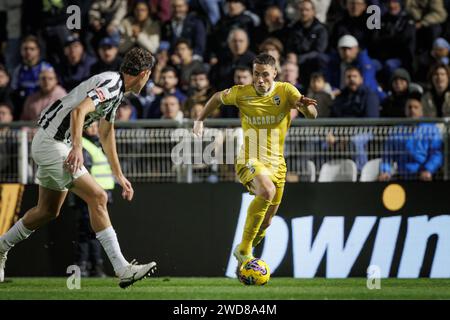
268,192
99,198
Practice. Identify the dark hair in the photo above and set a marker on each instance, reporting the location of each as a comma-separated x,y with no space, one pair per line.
415,95
317,75
199,71
272,42
353,68
7,105
264,58
181,41
31,38
243,68
137,60
435,67
169,69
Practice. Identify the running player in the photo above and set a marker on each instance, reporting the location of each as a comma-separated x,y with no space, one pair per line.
265,116
57,150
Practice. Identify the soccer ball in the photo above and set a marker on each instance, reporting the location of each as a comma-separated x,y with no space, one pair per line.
254,271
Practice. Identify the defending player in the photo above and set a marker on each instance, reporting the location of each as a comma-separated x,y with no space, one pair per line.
265,116
57,149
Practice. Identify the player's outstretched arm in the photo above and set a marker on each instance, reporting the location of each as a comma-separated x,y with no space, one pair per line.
307,107
213,103
74,160
108,140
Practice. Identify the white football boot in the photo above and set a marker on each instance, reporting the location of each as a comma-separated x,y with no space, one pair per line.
2,266
241,258
135,272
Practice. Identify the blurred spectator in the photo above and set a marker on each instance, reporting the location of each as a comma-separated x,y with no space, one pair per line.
356,100
236,18
238,54
428,15
183,60
351,55
105,17
308,39
290,73
49,92
25,79
395,42
272,27
242,75
394,105
167,86
12,9
354,22
322,7
261,6
196,110
439,54
5,89
211,10
320,90
160,9
436,101
185,25
139,30
417,151
125,111
171,109
78,63
8,146
109,59
274,47
200,91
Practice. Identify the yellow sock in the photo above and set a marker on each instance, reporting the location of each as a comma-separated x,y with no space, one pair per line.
255,217
259,236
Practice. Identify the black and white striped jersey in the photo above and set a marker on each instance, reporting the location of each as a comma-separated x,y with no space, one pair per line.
106,91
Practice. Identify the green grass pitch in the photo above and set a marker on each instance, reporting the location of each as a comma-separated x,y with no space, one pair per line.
225,289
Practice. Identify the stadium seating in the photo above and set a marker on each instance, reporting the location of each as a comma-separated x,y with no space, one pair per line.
338,171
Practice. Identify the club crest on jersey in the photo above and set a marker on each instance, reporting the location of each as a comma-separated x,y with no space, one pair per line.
100,94
277,100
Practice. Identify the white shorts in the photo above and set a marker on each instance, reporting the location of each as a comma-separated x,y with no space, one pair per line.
49,154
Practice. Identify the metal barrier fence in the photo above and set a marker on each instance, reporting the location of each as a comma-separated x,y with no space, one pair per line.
315,150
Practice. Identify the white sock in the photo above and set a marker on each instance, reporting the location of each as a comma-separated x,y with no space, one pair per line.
108,239
17,233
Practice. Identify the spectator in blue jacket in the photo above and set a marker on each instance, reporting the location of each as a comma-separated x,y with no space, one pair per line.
417,150
356,99
185,25
351,55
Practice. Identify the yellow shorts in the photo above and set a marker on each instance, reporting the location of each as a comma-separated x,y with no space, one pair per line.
253,167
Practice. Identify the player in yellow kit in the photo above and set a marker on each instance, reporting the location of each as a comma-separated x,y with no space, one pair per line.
265,116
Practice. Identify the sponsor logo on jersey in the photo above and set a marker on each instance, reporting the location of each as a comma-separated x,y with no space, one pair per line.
100,94
277,100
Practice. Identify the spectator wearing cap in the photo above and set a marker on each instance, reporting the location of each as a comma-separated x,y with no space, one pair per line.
417,150
428,16
439,54
238,54
356,99
436,101
308,39
354,22
49,92
140,30
78,63
185,25
25,79
109,59
394,105
272,26
236,17
395,42
350,54
5,89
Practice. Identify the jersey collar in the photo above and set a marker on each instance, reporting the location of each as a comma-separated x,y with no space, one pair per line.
267,93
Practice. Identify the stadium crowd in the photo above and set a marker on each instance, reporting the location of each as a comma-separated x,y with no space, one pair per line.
332,51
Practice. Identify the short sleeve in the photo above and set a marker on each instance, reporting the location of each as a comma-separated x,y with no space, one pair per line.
107,89
292,94
228,96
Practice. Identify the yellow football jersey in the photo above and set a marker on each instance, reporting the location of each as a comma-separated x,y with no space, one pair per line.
265,120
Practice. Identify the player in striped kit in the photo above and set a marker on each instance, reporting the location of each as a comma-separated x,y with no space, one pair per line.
57,150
